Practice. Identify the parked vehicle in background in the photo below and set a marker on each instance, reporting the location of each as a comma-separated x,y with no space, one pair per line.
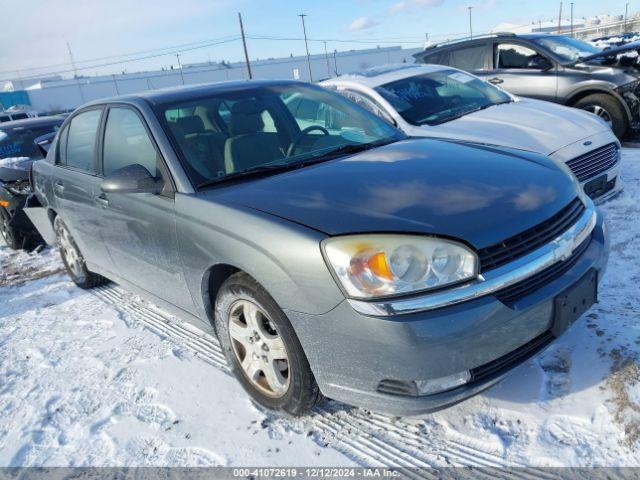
17,137
612,41
555,68
18,150
441,102
331,254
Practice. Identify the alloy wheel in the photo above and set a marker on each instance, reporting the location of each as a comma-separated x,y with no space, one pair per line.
259,349
70,252
601,112
4,228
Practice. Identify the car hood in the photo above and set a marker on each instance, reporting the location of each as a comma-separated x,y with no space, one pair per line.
481,195
525,124
611,52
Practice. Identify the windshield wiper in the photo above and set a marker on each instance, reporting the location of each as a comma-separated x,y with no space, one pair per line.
250,172
283,166
468,112
347,150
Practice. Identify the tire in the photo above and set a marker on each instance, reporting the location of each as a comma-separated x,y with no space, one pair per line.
609,109
12,237
296,390
72,258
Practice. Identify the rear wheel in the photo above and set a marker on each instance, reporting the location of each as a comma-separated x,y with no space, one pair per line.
608,108
73,259
12,237
262,348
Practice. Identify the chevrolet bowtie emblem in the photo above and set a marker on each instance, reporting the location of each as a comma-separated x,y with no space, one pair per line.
564,248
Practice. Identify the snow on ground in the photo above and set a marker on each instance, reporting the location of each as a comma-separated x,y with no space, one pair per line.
105,378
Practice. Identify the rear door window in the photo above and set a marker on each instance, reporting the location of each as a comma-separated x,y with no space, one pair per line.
81,141
469,58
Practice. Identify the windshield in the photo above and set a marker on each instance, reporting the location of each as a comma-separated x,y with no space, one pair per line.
566,48
250,129
19,141
438,97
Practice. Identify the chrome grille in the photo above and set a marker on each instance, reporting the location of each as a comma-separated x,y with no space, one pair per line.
519,245
592,163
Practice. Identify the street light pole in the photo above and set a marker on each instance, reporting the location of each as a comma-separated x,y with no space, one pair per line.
470,25
571,19
306,45
326,56
626,15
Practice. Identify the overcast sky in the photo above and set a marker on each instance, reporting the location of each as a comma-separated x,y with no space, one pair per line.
34,33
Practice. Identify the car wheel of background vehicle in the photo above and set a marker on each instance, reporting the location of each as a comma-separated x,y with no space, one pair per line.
73,259
11,236
262,348
608,108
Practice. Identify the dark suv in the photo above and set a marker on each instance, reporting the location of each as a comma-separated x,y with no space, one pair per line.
554,68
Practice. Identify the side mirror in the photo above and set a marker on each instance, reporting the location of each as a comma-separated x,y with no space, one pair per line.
131,179
540,63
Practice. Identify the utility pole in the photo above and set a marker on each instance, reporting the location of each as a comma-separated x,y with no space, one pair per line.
304,29
75,72
180,67
571,19
326,56
470,26
560,18
244,44
335,61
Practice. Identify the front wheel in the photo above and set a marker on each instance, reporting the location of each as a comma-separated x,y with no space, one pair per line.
73,259
607,108
262,348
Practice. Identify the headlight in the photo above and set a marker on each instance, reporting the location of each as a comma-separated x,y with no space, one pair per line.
380,265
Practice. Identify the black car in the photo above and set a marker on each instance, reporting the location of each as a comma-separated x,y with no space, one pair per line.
555,68
21,143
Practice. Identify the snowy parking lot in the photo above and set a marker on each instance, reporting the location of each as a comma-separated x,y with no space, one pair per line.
102,378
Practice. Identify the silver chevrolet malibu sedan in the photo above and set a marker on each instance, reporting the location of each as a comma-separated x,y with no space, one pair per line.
331,255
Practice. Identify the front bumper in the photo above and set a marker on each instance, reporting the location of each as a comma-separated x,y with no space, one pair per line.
350,353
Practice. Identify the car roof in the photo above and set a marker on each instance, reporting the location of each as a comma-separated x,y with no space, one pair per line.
376,76
482,39
185,93
32,122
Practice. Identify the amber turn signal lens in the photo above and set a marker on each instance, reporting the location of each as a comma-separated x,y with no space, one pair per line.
378,265
4,204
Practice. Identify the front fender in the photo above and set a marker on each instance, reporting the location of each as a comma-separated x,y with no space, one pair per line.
284,257
597,87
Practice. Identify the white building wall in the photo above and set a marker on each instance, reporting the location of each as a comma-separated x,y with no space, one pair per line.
71,93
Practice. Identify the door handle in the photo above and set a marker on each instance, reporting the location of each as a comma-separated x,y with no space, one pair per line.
58,187
102,200
496,80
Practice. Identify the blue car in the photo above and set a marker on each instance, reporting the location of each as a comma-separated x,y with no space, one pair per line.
330,254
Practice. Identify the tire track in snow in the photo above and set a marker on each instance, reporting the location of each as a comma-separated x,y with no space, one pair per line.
369,438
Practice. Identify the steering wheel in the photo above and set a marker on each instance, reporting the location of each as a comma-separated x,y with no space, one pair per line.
302,134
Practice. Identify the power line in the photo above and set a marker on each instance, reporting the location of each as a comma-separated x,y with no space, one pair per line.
335,40
172,49
120,62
